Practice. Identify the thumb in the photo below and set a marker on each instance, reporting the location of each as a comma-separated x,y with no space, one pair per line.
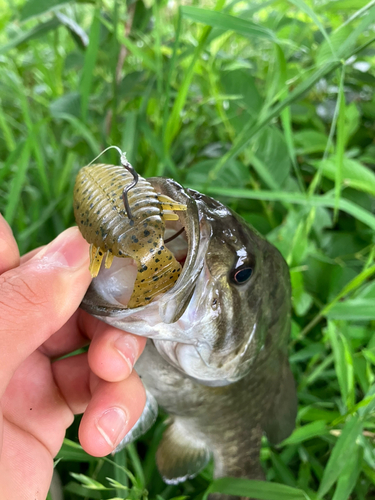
38,297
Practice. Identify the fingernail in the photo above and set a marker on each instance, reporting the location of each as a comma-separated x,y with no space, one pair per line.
127,347
111,425
69,249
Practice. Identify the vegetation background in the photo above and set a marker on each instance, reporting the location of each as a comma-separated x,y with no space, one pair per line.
268,106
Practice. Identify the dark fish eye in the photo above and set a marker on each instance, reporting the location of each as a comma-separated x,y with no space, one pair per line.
243,275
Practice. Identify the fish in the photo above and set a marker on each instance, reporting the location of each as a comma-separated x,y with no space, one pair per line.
216,357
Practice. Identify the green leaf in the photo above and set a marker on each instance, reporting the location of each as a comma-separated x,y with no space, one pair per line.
301,300
354,174
17,183
310,141
37,7
69,103
226,22
36,32
352,120
336,41
341,453
337,5
85,492
241,82
272,151
255,489
89,64
349,475
343,363
89,482
306,432
354,310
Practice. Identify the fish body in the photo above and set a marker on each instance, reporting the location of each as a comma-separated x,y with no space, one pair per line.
216,357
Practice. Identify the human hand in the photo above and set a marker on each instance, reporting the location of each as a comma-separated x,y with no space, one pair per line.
40,321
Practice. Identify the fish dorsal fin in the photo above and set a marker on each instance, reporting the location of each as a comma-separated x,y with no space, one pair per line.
180,455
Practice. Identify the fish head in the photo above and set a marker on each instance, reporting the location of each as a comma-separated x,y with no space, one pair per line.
230,303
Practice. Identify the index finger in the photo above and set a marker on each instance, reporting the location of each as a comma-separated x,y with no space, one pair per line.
37,298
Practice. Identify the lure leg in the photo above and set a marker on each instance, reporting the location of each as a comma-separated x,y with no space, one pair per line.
96,257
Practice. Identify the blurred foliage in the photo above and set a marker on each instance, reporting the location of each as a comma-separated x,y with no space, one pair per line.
266,105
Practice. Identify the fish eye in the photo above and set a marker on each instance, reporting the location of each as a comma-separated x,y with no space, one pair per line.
242,275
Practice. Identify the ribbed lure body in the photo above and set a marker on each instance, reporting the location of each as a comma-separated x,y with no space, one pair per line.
103,221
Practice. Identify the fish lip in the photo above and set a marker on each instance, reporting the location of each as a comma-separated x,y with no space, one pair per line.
174,302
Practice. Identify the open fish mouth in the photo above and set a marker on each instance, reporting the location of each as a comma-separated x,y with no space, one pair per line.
110,291
193,324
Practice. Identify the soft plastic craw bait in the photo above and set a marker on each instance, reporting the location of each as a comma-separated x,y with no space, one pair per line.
105,223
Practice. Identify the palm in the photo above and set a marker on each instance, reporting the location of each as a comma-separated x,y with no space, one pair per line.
35,418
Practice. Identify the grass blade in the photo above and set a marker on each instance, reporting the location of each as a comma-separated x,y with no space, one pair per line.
255,489
341,453
294,198
17,183
89,64
340,146
226,22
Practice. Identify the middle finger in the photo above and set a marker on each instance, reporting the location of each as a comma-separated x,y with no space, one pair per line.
113,353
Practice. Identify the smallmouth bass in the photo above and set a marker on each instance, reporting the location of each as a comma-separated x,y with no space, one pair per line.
216,357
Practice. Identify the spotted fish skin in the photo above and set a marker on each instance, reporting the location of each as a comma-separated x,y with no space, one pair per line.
102,219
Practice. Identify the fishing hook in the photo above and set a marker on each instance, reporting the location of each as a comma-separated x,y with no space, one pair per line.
175,235
130,169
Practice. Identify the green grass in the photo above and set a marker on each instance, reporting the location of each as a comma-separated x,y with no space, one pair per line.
268,106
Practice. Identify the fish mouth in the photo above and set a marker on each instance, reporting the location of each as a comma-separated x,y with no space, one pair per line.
102,300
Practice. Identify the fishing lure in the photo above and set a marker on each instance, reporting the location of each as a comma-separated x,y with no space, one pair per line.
121,215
